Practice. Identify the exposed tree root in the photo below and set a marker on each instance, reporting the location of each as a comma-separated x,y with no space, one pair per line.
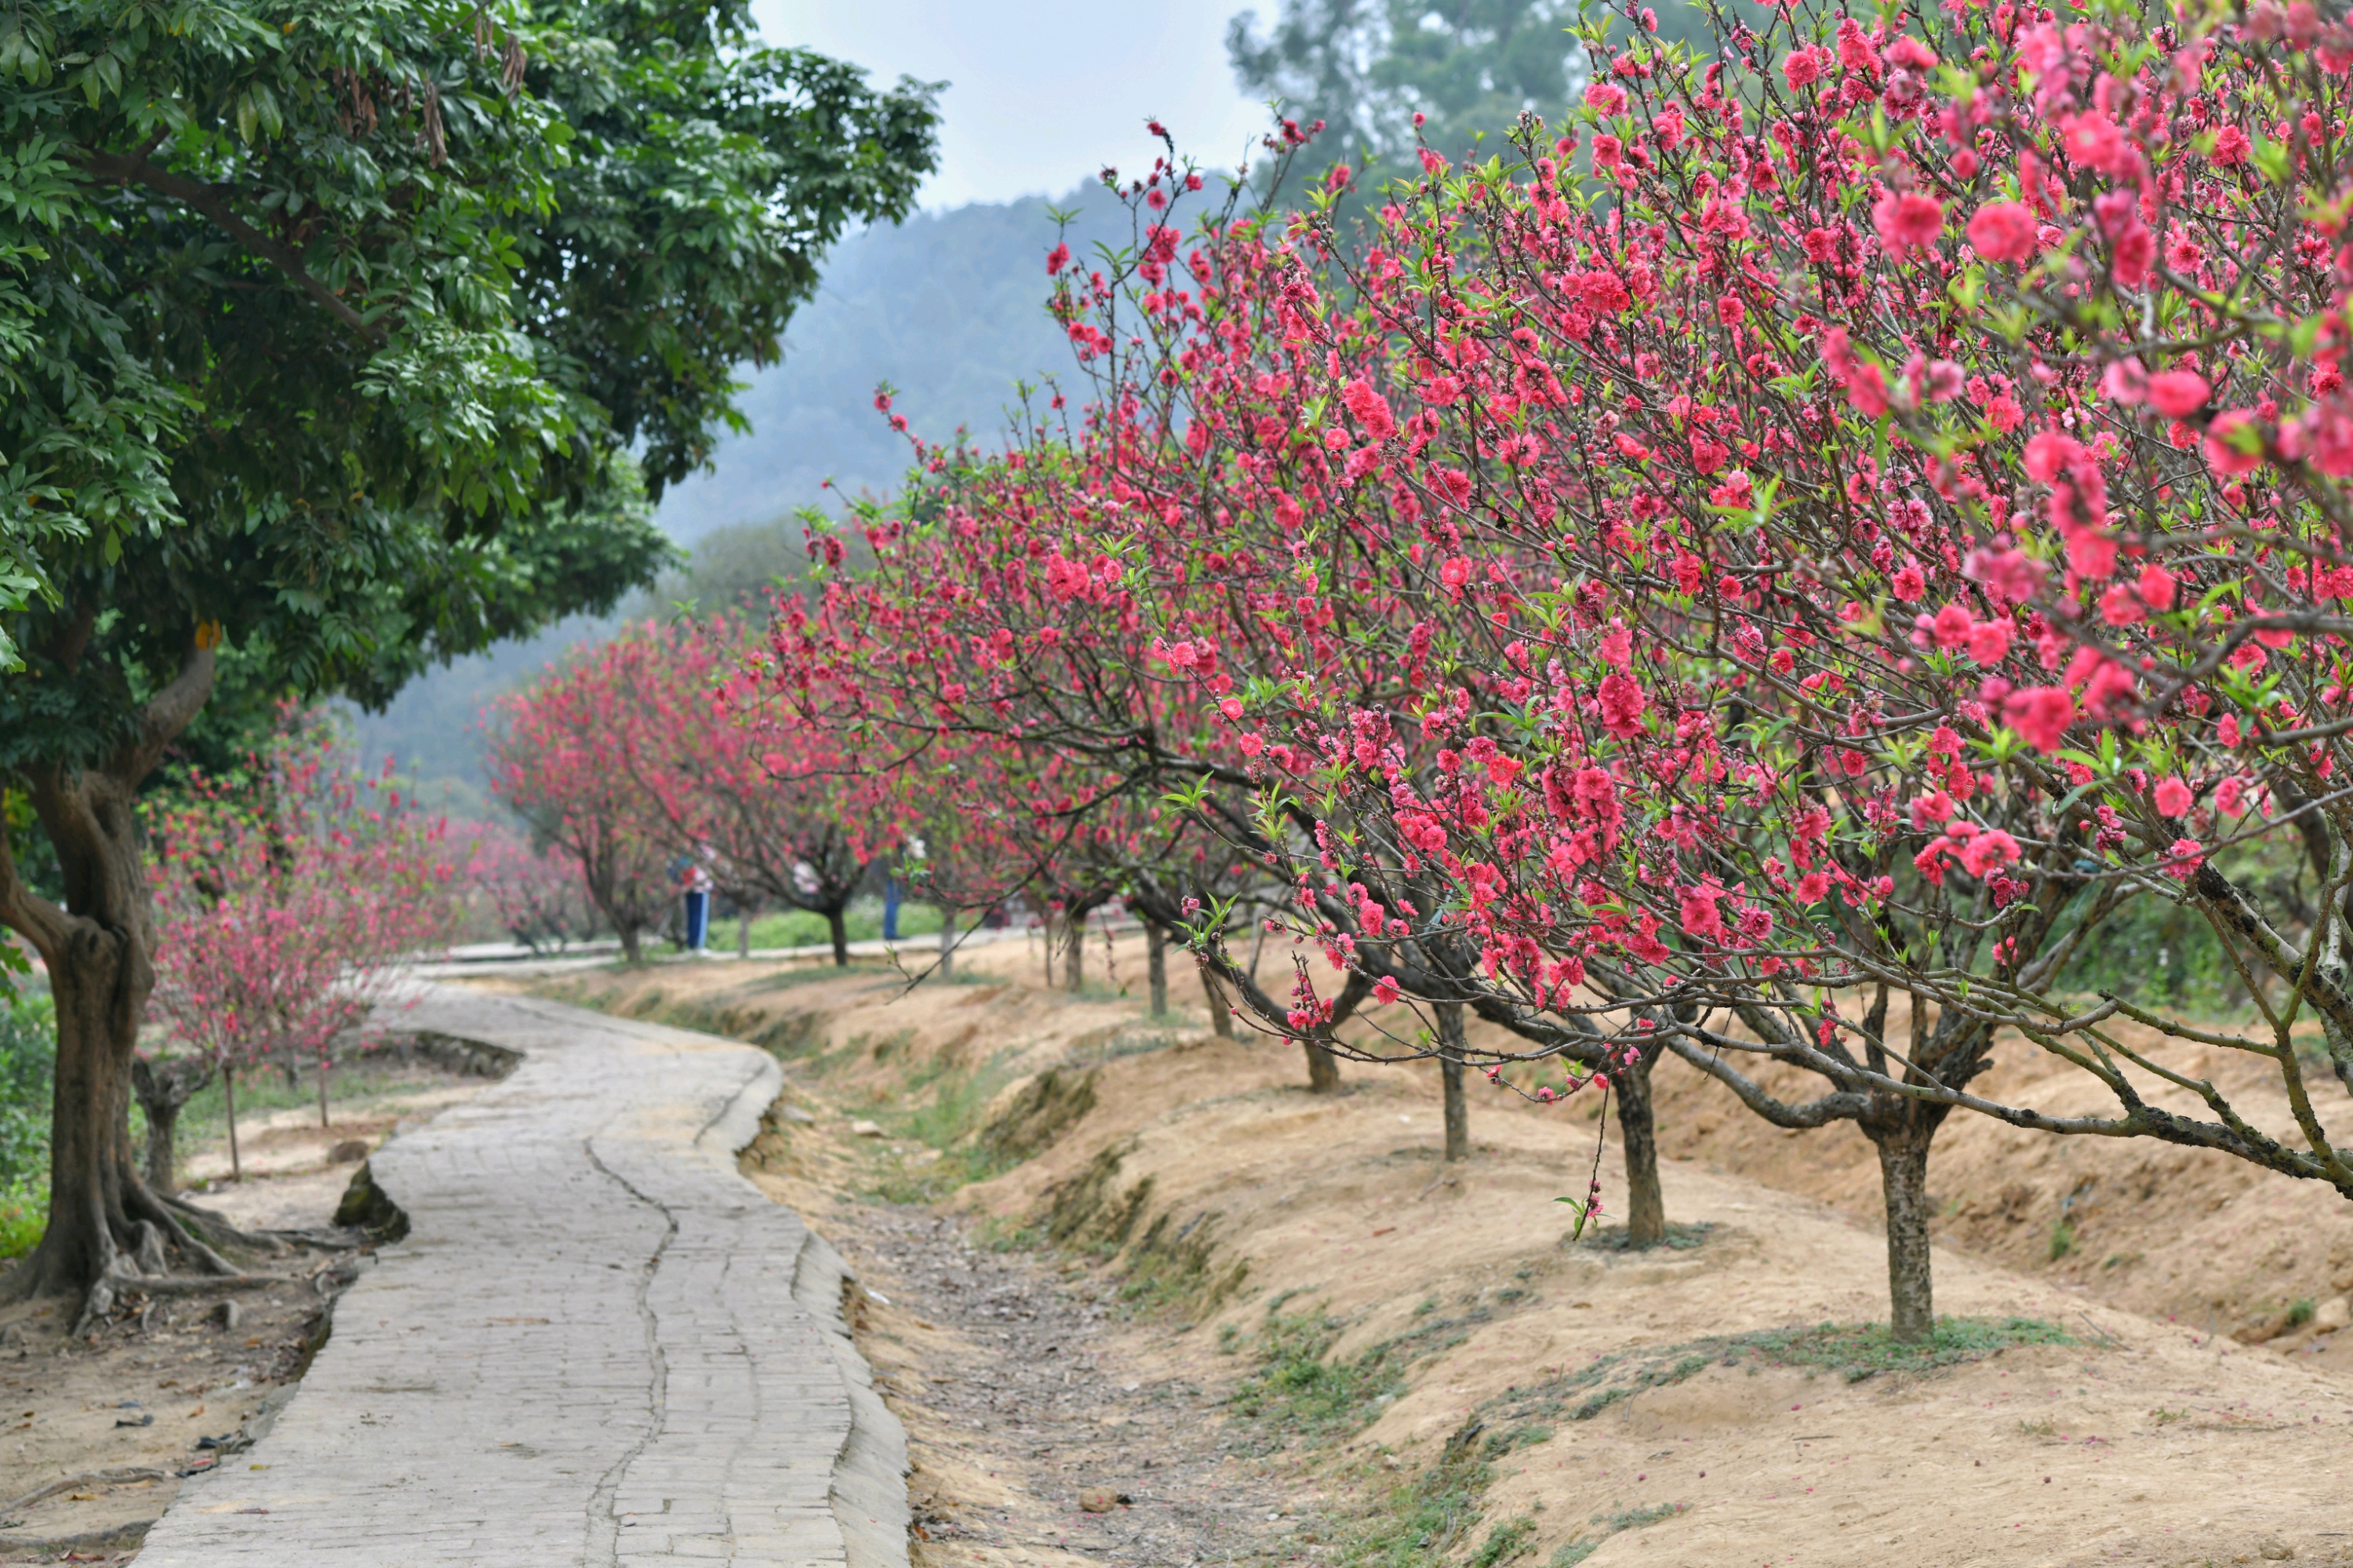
183,1221
129,1533
142,1270
116,1477
217,1225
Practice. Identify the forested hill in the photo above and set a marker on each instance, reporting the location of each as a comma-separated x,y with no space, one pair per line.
949,307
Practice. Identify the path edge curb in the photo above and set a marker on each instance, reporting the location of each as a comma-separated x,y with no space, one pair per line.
869,1492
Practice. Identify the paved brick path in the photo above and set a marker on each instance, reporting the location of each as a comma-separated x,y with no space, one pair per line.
598,1344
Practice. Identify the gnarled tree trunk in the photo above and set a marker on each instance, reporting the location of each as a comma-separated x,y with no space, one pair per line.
1074,954
835,922
105,1225
162,1088
1646,1206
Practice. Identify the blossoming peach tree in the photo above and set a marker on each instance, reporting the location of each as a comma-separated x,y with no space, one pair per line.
287,900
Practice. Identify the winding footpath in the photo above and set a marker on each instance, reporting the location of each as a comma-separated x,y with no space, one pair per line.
598,1343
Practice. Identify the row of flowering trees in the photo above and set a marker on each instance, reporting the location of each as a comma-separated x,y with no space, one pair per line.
631,761
1765,572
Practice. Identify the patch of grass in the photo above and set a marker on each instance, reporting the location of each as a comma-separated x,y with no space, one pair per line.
1609,1524
1507,1542
28,1054
2063,1240
2299,1312
1298,1392
263,1090
940,1107
24,1215
861,922
1422,1522
1679,1238
1853,1351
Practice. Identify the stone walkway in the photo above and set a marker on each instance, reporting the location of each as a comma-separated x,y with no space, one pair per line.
598,1344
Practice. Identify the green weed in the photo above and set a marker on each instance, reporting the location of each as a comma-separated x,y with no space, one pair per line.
1507,1542
1422,1522
1679,1238
2299,1312
24,1215
28,1051
1298,1392
1854,1351
940,1107
1609,1524
861,922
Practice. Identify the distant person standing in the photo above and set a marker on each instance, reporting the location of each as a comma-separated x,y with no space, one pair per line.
697,884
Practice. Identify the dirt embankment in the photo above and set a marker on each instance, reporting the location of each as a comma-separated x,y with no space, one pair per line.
1422,1348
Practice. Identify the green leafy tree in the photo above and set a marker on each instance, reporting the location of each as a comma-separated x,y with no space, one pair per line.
339,337
1367,68
1469,67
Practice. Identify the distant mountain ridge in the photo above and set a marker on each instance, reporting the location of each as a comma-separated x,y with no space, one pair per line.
948,308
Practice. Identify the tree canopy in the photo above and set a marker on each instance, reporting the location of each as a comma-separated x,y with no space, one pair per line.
1367,68
363,331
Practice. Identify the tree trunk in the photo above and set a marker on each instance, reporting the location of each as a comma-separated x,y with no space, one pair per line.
1156,966
94,1187
743,933
163,1088
1904,1179
104,1220
1221,1011
1322,1069
948,941
163,1145
1450,1071
631,952
1074,954
322,1090
840,929
1646,1206
228,1097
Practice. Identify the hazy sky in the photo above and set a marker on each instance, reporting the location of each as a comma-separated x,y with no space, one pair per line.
1041,96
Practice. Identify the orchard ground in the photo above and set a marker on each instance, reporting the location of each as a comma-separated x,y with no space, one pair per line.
1140,1297
1271,1297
